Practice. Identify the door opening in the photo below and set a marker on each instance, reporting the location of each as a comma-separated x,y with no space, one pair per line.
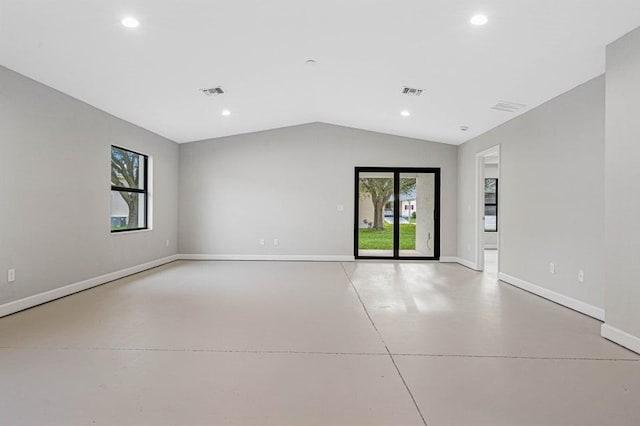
488,235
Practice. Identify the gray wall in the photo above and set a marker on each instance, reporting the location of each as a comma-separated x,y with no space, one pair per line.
55,190
287,183
551,193
622,178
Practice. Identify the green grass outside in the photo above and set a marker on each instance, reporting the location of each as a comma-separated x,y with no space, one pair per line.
383,240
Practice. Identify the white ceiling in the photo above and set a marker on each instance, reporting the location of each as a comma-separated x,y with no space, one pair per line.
367,50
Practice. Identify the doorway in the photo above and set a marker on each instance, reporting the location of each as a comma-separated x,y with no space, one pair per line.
397,213
488,235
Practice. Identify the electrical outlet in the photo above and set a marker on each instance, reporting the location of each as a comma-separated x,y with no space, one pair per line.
581,275
261,241
340,207
276,242
11,275
552,268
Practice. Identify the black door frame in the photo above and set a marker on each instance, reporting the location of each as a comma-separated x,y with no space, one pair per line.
396,210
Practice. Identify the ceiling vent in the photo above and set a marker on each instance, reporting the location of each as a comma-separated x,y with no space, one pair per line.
216,91
508,106
410,91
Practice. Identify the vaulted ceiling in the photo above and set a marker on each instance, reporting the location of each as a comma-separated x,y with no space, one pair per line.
366,51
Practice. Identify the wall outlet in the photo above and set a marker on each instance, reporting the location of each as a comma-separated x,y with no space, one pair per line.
340,207
261,241
166,243
276,242
581,275
552,268
11,275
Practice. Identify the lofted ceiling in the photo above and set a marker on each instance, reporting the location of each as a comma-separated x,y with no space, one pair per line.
365,50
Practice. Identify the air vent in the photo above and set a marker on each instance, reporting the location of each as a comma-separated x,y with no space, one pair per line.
410,91
213,92
508,106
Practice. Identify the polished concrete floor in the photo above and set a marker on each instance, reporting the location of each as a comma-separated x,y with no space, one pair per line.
286,343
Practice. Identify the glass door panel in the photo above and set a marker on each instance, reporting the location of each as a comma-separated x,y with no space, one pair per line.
417,221
376,208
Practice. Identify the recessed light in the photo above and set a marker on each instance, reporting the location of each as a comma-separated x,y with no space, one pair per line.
130,22
226,112
310,62
479,20
464,128
405,113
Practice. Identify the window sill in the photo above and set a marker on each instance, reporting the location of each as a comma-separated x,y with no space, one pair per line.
136,231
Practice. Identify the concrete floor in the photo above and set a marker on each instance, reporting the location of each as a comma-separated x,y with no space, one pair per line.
277,343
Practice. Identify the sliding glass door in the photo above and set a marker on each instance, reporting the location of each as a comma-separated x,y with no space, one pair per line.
396,213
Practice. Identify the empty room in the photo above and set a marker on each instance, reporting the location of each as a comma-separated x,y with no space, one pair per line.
316,212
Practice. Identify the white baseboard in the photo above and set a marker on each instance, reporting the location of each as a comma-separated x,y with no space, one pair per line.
285,257
469,264
276,257
620,337
48,296
463,262
569,302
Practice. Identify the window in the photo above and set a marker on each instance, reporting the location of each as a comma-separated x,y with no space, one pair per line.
129,192
491,205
